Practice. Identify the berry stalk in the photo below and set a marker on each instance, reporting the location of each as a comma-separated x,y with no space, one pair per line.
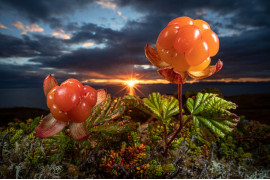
181,122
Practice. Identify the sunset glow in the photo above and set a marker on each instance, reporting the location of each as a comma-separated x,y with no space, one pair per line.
131,86
131,83
134,82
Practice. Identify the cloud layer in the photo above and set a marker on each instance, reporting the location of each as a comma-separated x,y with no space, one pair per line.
90,51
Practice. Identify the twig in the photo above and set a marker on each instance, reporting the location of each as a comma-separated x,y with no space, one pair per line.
178,153
212,151
204,170
127,173
123,169
165,140
2,145
28,171
177,160
142,163
87,159
228,171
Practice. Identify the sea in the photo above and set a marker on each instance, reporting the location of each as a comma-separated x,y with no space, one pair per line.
35,98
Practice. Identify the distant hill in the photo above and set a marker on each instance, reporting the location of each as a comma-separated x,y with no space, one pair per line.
22,113
253,106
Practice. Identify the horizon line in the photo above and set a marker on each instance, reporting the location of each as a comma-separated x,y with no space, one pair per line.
163,81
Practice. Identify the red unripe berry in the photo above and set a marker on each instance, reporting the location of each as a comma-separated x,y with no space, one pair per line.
75,83
81,112
58,114
67,97
90,95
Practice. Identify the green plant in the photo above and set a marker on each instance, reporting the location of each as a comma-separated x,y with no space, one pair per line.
110,109
210,115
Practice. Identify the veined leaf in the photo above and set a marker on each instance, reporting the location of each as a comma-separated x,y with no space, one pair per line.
136,102
190,104
164,107
154,103
173,107
211,116
208,123
108,110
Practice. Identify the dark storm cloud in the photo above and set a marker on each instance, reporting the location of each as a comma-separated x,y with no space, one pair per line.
90,31
255,12
15,47
45,10
37,45
246,55
109,61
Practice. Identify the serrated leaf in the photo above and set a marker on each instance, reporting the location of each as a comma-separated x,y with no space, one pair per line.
211,116
164,107
190,104
173,107
108,110
137,102
210,125
198,100
154,103
195,122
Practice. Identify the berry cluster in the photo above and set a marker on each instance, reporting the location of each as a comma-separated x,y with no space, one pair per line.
187,44
71,101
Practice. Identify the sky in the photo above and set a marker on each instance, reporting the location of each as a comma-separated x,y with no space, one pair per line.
102,42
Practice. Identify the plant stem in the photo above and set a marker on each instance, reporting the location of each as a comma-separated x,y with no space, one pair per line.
180,117
165,139
180,104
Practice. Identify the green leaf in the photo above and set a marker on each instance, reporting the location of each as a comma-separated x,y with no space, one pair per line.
108,110
208,123
190,104
162,107
198,100
211,116
114,127
154,103
136,102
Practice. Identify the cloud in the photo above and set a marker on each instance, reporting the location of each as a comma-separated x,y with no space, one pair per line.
45,11
109,4
88,44
92,32
244,49
61,33
3,26
28,28
37,45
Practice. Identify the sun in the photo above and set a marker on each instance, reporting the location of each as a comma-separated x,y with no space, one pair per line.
131,83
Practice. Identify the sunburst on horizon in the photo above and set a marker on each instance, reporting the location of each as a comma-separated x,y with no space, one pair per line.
131,84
